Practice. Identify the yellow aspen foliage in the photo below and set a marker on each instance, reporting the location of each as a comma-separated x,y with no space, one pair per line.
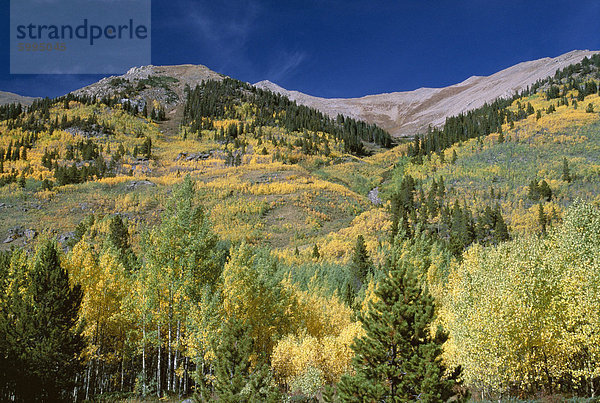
319,315
251,294
518,315
332,355
325,333
105,284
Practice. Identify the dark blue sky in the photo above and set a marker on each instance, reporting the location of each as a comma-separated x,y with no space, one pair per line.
346,48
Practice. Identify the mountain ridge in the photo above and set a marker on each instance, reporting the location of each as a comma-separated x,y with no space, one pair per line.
401,113
10,98
406,113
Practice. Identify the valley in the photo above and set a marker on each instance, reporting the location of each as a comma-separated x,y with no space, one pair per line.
209,223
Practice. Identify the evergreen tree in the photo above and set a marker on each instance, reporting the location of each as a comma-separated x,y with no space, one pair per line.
147,148
542,219
566,172
232,363
398,359
534,191
42,327
500,229
361,264
315,253
22,181
545,191
236,379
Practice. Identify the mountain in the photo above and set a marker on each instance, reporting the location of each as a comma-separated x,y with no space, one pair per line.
400,113
10,98
409,112
164,84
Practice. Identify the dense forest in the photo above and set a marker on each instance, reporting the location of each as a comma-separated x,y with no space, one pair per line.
222,99
235,256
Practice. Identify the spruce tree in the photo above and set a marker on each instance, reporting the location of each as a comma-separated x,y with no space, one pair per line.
361,264
542,220
315,253
566,172
22,182
545,191
236,379
500,229
398,359
43,323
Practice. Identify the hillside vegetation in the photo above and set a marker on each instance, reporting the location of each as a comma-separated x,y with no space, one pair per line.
244,248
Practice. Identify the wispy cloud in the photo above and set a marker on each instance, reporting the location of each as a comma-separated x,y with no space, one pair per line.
231,31
285,65
226,32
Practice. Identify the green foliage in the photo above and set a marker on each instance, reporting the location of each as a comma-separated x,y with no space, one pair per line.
252,293
41,341
219,99
398,358
539,191
361,265
417,209
588,109
315,252
519,314
236,380
566,171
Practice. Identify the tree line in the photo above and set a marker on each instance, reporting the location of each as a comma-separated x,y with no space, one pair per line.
223,100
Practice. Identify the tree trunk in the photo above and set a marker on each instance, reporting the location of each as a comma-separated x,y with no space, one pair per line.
185,378
87,380
175,357
144,358
122,369
158,385
169,350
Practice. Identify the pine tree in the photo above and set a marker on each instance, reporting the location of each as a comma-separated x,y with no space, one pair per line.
147,148
232,363
22,181
545,191
44,325
361,264
542,219
236,379
500,229
398,359
566,172
315,253
534,191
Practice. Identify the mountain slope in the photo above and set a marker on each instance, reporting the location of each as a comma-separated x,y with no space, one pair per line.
164,84
10,98
410,112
